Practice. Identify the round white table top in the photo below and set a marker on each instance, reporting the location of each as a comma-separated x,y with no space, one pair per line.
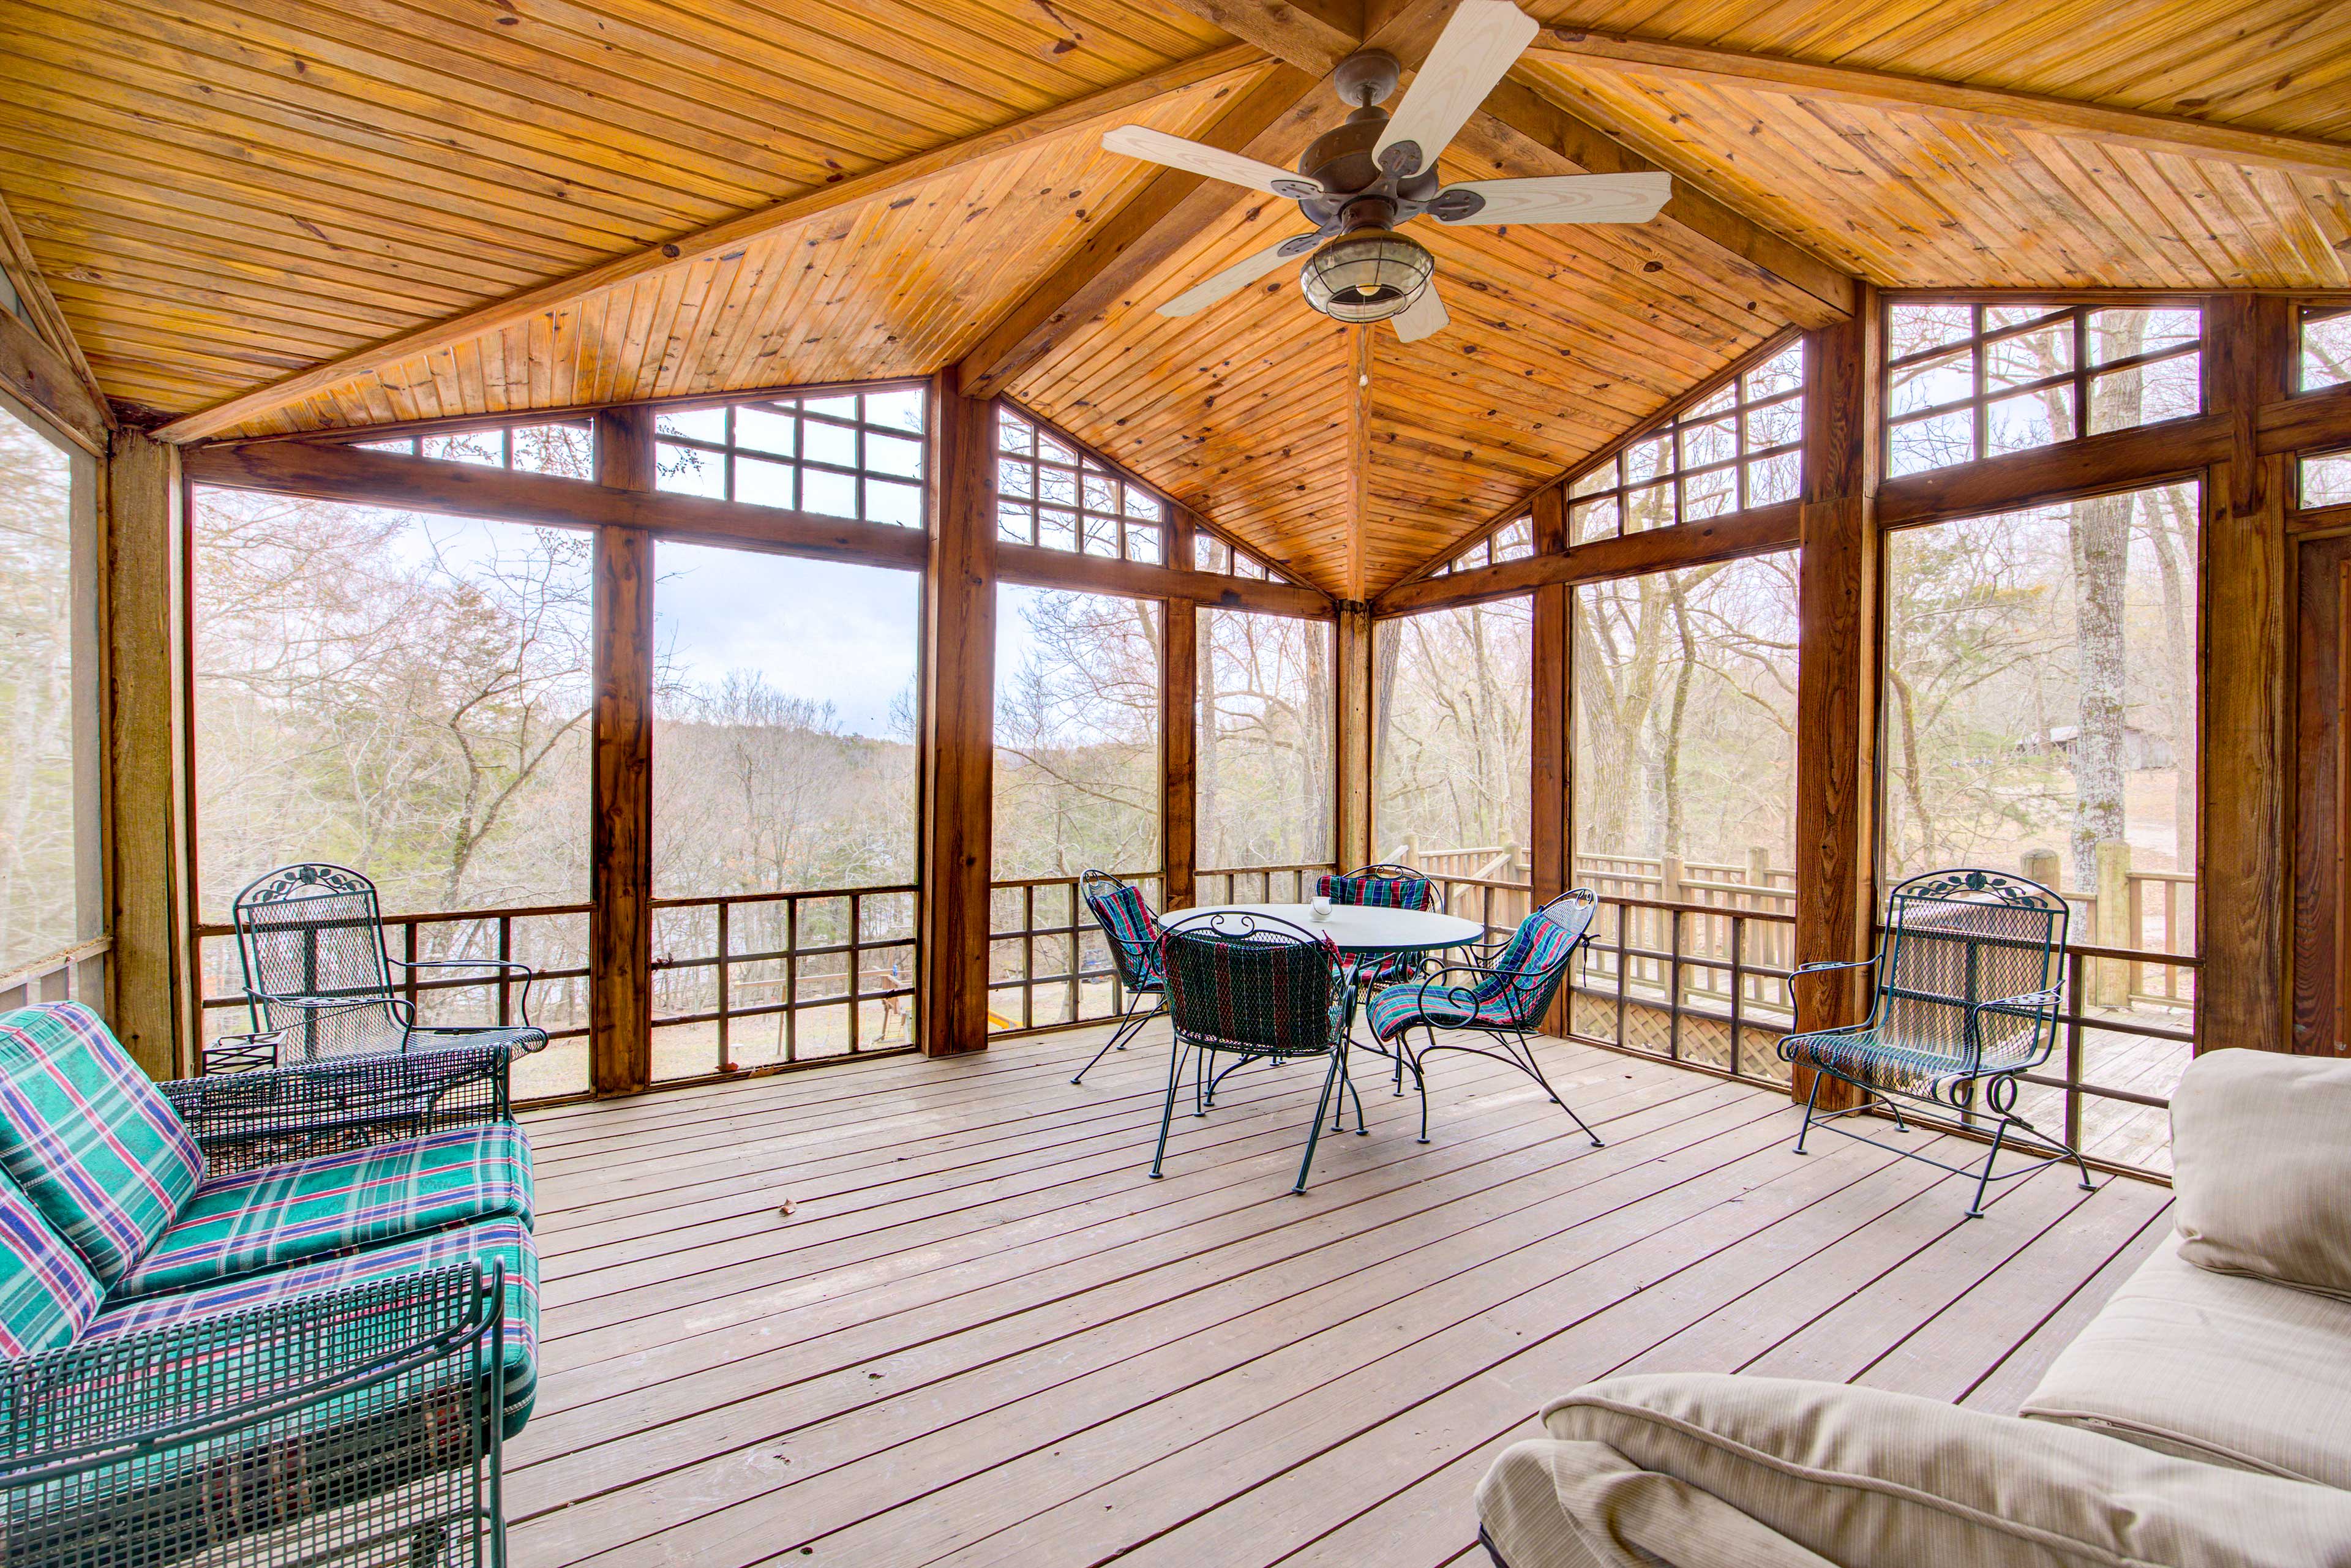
1356,927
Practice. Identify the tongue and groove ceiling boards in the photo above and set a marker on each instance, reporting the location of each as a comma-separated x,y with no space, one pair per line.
263,216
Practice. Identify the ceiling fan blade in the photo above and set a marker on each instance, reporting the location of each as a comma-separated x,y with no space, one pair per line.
1480,43
1199,158
1556,199
1234,278
1425,317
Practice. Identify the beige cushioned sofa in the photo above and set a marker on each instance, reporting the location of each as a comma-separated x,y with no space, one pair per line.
2202,1418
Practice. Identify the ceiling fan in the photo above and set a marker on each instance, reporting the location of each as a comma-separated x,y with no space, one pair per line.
1359,183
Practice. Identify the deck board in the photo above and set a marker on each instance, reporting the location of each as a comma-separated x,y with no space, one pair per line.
984,1336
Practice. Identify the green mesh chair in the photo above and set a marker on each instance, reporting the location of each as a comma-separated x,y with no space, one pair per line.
1253,988
1966,1002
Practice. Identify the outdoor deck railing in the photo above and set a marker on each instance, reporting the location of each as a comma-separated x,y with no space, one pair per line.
75,974
1040,920
833,969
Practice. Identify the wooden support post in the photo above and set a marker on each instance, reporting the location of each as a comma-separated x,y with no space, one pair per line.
1351,642
149,898
1550,868
958,723
1179,753
620,791
1837,677
2246,804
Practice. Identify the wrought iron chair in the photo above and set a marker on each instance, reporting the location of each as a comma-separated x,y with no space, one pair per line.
1133,932
1254,987
1502,998
317,979
1380,887
1968,985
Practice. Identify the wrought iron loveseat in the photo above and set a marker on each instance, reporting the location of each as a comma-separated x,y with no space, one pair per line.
282,1316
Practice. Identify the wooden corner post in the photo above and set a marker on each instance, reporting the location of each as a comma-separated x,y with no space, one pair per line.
1551,825
958,723
1837,673
149,902
1351,736
1179,752
2245,802
620,791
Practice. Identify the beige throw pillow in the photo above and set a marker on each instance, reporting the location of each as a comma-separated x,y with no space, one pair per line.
2260,1150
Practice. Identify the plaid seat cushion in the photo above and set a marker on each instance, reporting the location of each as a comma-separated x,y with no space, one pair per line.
1509,998
47,1294
276,1215
1445,1004
506,1239
89,1137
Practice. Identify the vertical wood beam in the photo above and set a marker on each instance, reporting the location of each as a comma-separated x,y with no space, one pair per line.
1179,752
621,792
958,723
1551,794
2244,801
1351,738
1837,675
148,902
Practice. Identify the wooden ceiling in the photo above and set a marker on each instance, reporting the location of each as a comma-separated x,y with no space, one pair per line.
466,206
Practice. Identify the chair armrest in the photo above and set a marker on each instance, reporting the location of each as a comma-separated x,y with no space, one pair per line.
175,1438
1868,963
511,966
2025,1004
262,1117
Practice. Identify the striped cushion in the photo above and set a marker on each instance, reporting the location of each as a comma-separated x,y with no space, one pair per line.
47,1294
489,1240
314,1208
1128,922
1538,947
1379,892
89,1137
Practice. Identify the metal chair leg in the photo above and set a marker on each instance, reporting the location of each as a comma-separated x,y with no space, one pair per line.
1137,1015
1420,1080
1347,1076
1177,1051
1534,1071
1976,1209
1811,1099
1314,1133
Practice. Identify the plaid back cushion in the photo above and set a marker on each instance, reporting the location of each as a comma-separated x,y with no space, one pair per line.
1128,923
1378,892
47,1296
1540,944
92,1142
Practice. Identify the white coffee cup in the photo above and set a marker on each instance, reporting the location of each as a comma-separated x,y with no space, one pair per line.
1321,906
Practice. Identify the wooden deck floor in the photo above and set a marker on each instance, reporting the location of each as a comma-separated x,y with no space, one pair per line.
982,1335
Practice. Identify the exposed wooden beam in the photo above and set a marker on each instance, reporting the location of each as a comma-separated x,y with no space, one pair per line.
686,249
43,379
1042,567
1528,133
1179,754
2065,472
1311,36
2173,133
1752,532
1359,389
49,320
1271,121
331,472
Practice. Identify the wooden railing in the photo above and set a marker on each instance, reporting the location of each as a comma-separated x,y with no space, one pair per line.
820,973
1049,965
550,937
1258,883
75,974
